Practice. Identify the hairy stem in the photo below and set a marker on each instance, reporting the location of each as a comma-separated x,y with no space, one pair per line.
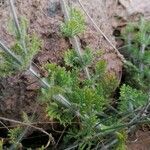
15,18
9,52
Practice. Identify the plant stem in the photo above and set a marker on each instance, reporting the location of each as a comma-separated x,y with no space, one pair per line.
74,40
132,123
43,82
112,142
142,51
15,18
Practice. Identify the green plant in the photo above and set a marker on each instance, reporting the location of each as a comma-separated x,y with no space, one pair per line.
84,106
9,65
131,99
72,59
75,25
90,104
79,91
137,40
67,82
89,97
1,144
122,137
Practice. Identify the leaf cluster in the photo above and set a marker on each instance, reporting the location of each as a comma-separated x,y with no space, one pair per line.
14,135
31,43
70,82
72,59
75,25
131,99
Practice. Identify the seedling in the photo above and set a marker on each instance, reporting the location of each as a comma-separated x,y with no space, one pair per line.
9,65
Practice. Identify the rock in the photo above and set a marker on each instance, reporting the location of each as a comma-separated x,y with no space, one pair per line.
136,7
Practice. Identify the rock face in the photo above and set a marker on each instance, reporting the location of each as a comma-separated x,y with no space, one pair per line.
137,6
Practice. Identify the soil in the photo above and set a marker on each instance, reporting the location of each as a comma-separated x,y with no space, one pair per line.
20,93
140,141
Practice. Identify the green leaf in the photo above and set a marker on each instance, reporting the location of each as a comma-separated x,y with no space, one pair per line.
72,59
75,25
54,111
122,138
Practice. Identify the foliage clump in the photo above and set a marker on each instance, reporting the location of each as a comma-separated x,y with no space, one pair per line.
75,25
137,41
72,59
70,82
24,48
91,116
130,99
76,89
14,135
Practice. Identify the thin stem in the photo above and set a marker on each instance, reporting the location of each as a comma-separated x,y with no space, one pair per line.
9,52
15,18
11,2
143,110
129,41
72,147
4,126
43,82
26,129
60,137
132,123
110,144
142,51
64,7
